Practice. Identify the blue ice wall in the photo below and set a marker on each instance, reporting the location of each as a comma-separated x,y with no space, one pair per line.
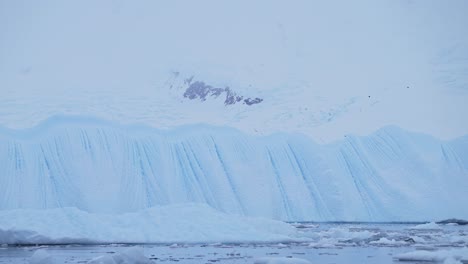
390,175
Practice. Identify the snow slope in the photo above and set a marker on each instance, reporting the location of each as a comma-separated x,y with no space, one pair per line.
98,166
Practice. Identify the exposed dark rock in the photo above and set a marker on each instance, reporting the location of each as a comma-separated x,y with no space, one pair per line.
231,97
197,90
250,101
200,90
217,91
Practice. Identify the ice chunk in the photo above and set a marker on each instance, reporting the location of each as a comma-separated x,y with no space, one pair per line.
451,260
41,256
345,234
459,254
459,238
105,259
133,255
279,260
388,242
429,226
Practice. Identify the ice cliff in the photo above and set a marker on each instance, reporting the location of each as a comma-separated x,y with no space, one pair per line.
96,166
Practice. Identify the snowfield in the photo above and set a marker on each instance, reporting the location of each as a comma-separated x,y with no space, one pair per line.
101,167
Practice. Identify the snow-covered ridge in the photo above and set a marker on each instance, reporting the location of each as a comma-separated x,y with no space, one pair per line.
99,166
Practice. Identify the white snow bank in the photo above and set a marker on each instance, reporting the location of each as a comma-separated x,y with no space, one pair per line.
133,255
174,223
273,260
431,225
449,256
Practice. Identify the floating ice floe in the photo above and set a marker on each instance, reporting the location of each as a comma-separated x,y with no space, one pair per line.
388,242
279,260
428,226
133,255
41,256
459,239
457,255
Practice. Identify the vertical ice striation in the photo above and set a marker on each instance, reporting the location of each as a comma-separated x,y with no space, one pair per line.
101,167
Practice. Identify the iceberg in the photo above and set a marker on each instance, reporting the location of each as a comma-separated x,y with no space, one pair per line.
102,167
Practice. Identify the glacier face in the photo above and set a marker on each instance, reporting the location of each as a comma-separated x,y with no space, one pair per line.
96,166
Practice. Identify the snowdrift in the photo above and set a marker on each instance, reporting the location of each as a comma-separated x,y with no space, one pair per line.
100,167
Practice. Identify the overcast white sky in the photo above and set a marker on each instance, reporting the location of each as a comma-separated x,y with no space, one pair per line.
335,49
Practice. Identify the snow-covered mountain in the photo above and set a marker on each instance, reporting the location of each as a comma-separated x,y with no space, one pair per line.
97,166
325,69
